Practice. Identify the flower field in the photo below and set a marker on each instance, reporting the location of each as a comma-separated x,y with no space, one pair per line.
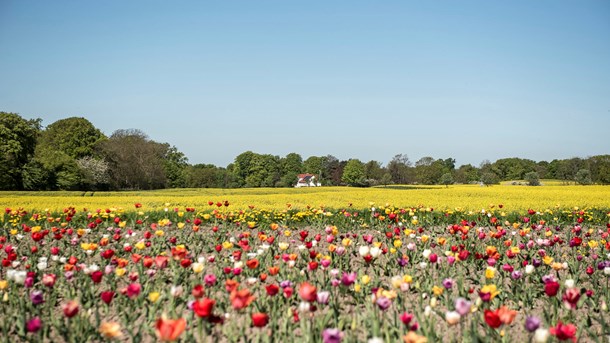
317,265
466,197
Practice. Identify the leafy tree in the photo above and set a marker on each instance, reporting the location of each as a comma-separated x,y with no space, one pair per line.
467,173
446,179
74,136
400,169
583,177
240,168
353,173
292,166
489,178
314,165
60,145
600,169
386,179
17,144
205,176
532,179
373,172
429,171
136,162
174,166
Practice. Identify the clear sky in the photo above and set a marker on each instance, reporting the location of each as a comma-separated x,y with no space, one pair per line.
471,80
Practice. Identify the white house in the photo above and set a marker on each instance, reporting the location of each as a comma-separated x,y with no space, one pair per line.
307,180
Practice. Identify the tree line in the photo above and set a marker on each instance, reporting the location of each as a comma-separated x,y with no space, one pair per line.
72,154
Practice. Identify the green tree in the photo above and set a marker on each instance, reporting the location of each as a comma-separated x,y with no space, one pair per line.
174,166
467,173
532,179
583,177
353,173
446,179
292,166
205,176
373,172
600,169
60,145
17,145
400,169
489,178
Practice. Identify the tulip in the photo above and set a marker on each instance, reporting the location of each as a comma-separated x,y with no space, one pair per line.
133,290
203,308
541,335
452,317
259,319
323,297
36,297
383,303
348,279
308,292
462,306
532,323
332,336
107,296
169,330
70,308
33,325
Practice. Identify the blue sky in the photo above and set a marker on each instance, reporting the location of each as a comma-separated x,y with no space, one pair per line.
472,80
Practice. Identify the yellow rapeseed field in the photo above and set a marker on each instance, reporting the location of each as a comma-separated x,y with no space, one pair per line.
466,197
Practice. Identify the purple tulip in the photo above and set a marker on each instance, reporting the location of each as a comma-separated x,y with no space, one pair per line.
286,283
462,306
33,325
532,323
383,303
402,261
322,297
332,336
516,275
348,279
36,297
448,283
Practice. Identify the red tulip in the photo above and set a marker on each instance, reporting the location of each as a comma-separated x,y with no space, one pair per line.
70,308
133,290
564,331
551,288
272,289
198,291
492,319
260,319
107,296
96,276
203,308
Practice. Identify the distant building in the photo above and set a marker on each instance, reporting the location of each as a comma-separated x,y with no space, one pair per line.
307,180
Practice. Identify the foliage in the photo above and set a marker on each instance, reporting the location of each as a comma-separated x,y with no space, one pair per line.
353,174
532,179
223,274
446,179
17,144
583,177
135,161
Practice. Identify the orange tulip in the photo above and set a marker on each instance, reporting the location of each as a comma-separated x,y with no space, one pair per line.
506,315
168,330
308,292
252,264
274,270
241,298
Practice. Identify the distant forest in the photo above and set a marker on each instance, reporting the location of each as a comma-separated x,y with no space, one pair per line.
72,154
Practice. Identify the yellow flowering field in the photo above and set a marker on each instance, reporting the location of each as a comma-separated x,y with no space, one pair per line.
465,197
